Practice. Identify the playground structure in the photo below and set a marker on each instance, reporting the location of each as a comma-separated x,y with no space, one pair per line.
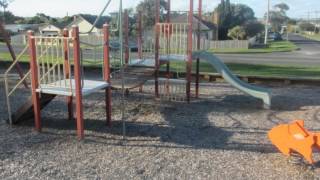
294,138
56,66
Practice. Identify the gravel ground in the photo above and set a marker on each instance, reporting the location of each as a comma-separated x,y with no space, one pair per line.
222,135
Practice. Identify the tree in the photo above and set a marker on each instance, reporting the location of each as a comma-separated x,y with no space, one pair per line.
306,26
231,15
4,4
278,17
253,28
283,7
237,33
148,9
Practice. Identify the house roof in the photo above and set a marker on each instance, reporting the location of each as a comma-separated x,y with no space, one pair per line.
183,18
91,19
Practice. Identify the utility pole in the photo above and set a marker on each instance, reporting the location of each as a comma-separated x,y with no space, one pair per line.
267,24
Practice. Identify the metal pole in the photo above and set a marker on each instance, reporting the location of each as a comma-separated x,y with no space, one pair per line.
198,48
169,41
189,63
267,24
106,72
157,46
122,72
126,33
140,34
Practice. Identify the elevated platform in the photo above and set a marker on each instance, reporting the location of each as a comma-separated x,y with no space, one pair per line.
67,87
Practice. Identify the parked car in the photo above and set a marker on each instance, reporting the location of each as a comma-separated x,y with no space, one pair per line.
276,36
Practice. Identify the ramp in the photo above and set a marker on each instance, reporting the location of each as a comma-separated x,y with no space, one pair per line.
25,112
257,92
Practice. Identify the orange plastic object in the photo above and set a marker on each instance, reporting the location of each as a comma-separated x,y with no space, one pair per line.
294,137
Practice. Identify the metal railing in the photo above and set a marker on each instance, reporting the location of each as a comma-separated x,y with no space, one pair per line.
53,62
9,92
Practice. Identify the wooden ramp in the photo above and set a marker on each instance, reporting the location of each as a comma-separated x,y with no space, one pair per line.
25,112
134,77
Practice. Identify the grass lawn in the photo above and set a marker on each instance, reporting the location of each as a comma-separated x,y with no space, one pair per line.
314,37
277,46
239,69
258,70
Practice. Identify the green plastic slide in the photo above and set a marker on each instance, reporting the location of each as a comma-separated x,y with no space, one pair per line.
257,92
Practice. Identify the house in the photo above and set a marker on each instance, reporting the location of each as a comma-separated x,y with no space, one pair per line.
208,29
50,29
86,22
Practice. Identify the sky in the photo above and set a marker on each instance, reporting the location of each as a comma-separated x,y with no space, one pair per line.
60,8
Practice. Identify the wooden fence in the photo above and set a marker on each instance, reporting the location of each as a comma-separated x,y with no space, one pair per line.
228,44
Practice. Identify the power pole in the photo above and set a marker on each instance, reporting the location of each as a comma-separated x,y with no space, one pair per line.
267,24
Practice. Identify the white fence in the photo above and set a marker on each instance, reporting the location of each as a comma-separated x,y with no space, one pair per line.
228,44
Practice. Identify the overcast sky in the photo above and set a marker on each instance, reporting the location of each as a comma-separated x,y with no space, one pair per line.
59,8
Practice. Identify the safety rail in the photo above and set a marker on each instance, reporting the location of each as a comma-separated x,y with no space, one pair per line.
173,38
10,92
53,61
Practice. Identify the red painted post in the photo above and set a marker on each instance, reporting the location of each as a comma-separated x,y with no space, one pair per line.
34,81
198,48
126,36
67,71
189,63
106,72
140,34
77,78
157,46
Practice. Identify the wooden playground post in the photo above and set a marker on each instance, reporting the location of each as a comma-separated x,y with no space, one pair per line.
157,46
126,36
77,79
189,63
198,48
67,70
140,34
34,81
5,36
106,72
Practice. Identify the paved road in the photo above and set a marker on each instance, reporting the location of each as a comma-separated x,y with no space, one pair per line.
309,55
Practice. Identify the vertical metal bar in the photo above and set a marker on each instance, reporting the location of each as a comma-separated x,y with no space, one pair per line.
8,99
189,63
77,78
140,34
67,70
126,36
157,29
106,72
198,48
169,11
34,82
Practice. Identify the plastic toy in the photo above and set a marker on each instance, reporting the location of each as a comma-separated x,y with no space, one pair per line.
289,138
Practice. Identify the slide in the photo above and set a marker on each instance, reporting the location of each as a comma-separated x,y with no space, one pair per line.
257,92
